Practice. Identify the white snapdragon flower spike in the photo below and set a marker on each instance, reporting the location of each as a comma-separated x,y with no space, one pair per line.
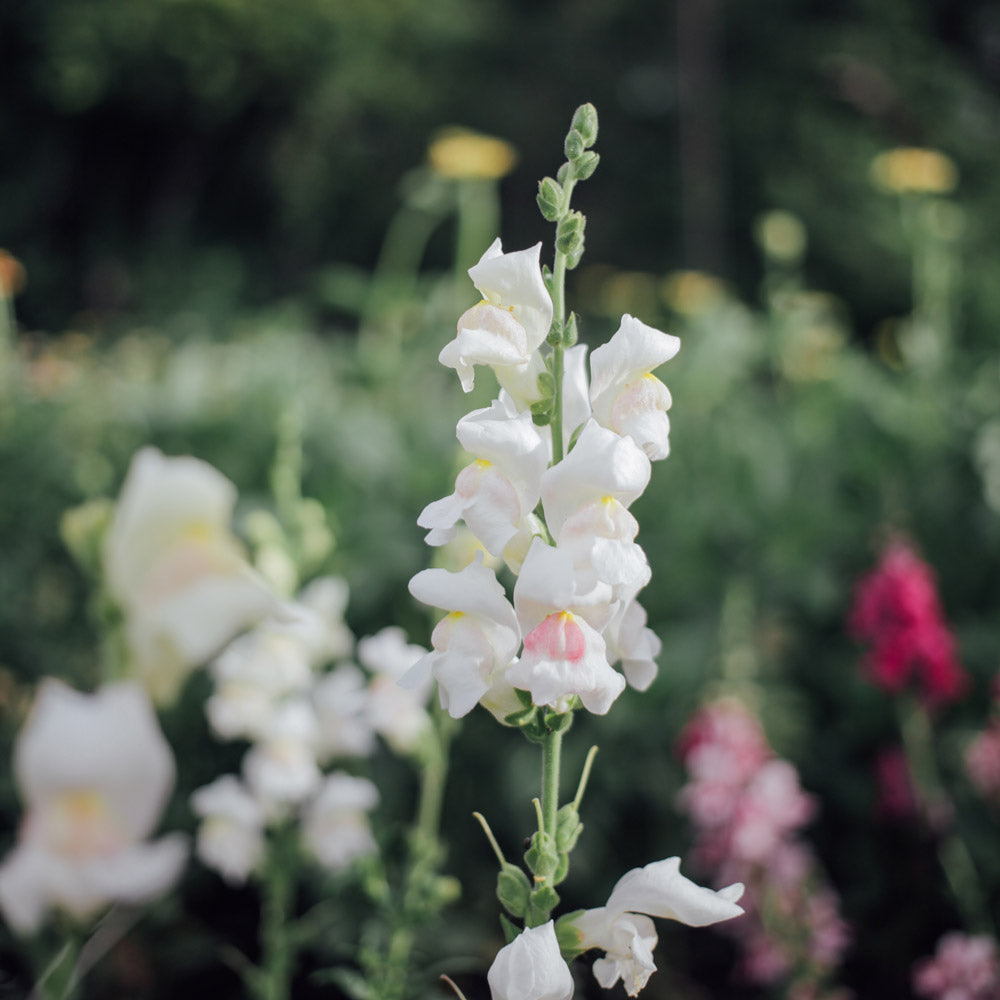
564,653
335,826
626,396
505,330
230,838
531,967
341,701
176,570
95,773
497,492
474,643
586,498
622,929
635,645
397,714
281,769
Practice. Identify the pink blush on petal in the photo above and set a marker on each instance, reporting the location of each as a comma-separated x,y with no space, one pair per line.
559,637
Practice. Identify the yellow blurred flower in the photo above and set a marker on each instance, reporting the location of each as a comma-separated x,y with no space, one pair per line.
691,293
781,235
910,169
12,275
462,154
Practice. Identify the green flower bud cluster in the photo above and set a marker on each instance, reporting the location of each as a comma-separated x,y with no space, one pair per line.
554,193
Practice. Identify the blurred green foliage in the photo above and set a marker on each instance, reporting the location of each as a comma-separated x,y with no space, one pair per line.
202,187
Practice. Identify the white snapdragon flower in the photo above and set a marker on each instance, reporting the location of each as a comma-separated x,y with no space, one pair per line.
280,768
231,835
335,825
531,967
397,714
473,644
564,653
341,701
506,329
252,675
95,773
626,396
316,619
586,498
635,645
176,570
622,927
497,492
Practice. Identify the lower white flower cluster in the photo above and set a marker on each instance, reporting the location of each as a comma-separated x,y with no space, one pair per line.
272,689
532,966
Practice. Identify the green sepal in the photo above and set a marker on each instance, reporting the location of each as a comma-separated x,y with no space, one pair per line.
585,165
520,718
543,900
542,857
513,890
585,122
575,436
555,335
568,828
534,729
541,412
558,722
550,198
510,929
524,697
568,935
559,875
546,384
563,173
547,278
570,332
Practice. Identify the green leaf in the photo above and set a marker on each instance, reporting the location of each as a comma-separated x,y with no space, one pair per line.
513,890
510,929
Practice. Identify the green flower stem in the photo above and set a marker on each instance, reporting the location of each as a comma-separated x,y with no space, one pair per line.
273,981
558,323
953,854
57,978
421,899
551,760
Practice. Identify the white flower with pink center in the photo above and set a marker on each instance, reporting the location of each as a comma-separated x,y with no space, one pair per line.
626,396
505,330
564,653
95,773
623,930
499,490
474,643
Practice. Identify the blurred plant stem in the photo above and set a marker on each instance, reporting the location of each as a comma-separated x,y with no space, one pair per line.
272,980
956,861
424,892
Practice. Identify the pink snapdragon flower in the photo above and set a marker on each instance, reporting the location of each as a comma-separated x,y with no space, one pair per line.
896,610
964,967
748,809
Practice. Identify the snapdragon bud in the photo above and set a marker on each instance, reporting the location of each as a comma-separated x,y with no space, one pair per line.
585,122
542,856
585,165
513,889
550,199
574,145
